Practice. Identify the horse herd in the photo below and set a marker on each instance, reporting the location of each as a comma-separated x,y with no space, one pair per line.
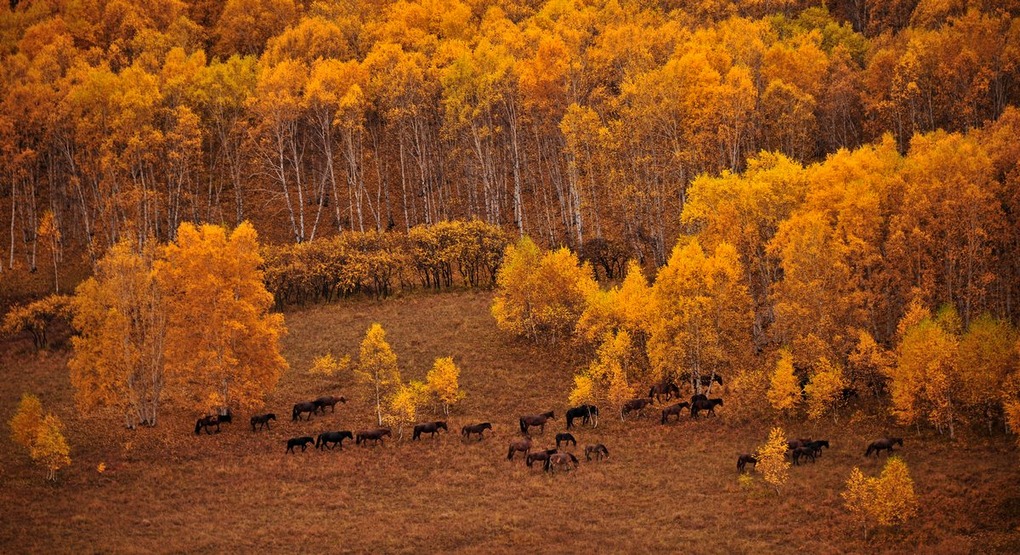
552,459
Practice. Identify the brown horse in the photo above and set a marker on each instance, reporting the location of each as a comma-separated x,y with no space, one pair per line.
565,438
598,451
336,438
429,428
539,456
535,420
328,401
674,410
664,390
375,435
885,444
303,407
521,445
806,452
742,460
299,441
206,423
560,460
262,420
636,405
466,431
587,414
707,405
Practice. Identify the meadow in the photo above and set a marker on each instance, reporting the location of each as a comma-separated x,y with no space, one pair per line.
663,488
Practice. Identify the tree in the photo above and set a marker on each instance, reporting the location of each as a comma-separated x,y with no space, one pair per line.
42,436
36,318
442,382
924,380
377,368
329,365
222,343
825,389
886,501
772,461
119,358
784,390
987,357
606,378
403,405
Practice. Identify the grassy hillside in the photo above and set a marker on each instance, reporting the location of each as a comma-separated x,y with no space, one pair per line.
663,489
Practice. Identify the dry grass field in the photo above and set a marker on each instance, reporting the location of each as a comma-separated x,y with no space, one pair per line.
663,489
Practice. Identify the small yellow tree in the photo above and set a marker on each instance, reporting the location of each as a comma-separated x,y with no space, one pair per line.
886,501
26,421
772,463
824,390
377,367
329,365
443,381
784,391
42,436
404,404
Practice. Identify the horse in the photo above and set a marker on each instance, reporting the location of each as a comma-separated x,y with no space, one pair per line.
795,443
560,460
336,438
429,428
698,397
207,422
565,438
636,405
539,456
704,380
708,404
375,435
225,416
742,461
885,443
521,445
816,446
674,410
302,441
584,412
262,420
665,389
299,408
598,450
535,420
328,401
466,431
803,452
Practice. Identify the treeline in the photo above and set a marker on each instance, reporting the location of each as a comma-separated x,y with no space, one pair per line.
567,120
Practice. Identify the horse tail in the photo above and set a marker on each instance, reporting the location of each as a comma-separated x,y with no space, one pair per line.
295,414
198,426
524,426
510,454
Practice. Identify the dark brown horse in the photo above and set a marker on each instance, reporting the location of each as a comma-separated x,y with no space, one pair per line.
535,420
707,405
664,390
560,460
304,407
884,444
539,456
803,452
466,431
816,446
206,423
296,441
262,420
742,461
587,414
523,445
636,405
674,410
429,428
795,443
376,435
328,401
598,451
565,438
336,438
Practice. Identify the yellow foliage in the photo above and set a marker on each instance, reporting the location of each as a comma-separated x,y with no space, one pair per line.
26,420
404,404
772,461
329,365
443,382
924,378
377,367
784,390
50,449
887,500
36,317
824,389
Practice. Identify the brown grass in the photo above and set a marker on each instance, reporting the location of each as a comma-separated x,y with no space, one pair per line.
663,489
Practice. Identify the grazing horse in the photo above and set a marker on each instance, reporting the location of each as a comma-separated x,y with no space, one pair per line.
636,405
560,460
302,441
207,422
521,445
429,428
539,456
466,431
299,408
375,435
584,412
816,446
598,450
262,420
664,389
565,438
674,410
885,443
742,461
803,452
336,438
328,401
708,404
535,420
